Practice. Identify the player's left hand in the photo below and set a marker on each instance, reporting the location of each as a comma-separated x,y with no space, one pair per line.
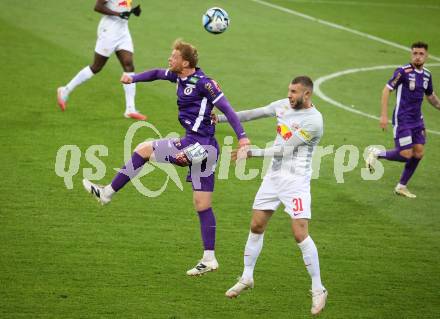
383,122
136,10
126,79
214,118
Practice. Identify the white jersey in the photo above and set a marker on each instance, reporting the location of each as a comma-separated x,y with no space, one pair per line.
288,179
305,124
114,25
113,33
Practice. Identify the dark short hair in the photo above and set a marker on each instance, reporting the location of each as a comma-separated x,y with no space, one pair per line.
304,80
420,44
188,52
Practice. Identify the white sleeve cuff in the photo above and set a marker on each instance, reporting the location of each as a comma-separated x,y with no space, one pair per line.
257,152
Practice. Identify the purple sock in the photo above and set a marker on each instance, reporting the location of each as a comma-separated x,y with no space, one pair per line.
392,155
207,228
410,168
125,174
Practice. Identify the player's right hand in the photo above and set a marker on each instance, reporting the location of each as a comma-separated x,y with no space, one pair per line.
126,79
240,154
244,142
243,148
125,15
383,122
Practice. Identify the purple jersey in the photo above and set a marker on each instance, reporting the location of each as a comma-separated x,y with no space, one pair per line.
196,96
411,86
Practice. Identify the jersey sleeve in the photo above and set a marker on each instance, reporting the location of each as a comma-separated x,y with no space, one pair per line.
310,130
396,79
155,74
253,114
429,90
210,89
170,76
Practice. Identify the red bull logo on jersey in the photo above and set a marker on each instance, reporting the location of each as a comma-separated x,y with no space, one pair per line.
284,131
125,3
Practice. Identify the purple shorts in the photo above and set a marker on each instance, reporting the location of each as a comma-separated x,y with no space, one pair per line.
201,172
405,138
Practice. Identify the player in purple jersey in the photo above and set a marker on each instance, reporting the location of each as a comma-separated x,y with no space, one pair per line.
411,82
197,94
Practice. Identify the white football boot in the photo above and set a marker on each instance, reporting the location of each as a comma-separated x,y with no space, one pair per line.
319,297
135,115
372,154
203,267
97,191
239,287
402,190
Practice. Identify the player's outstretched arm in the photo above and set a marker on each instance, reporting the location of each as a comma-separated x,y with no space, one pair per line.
384,107
293,143
249,115
434,100
289,146
153,75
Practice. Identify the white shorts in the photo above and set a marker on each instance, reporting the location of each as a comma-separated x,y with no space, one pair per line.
292,191
109,42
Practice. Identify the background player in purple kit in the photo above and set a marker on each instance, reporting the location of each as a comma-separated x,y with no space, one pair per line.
197,94
412,82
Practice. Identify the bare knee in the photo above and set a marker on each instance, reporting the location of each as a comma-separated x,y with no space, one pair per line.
407,153
128,66
200,205
144,149
299,237
300,229
96,67
257,227
419,153
202,201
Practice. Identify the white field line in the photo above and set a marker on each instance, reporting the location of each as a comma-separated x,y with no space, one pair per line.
368,4
340,27
321,80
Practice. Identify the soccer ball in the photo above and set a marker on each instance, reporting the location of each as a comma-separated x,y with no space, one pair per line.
215,20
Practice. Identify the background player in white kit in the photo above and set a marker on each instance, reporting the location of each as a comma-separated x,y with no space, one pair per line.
287,181
113,36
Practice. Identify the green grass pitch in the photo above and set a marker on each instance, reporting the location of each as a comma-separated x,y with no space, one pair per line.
64,256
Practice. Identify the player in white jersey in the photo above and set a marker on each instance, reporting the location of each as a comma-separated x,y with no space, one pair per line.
299,129
113,36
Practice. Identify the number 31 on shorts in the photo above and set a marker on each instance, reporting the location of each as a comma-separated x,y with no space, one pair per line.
297,204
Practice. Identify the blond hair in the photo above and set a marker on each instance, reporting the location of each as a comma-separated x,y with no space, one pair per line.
188,52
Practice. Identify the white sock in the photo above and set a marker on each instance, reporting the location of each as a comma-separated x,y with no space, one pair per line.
81,77
252,250
311,260
208,255
130,93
